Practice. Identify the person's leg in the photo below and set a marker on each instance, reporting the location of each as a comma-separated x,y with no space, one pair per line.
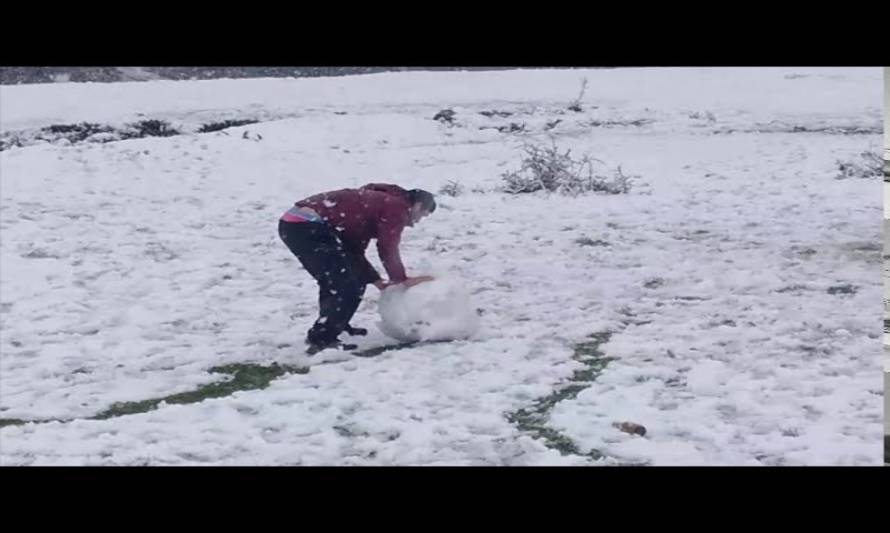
322,254
355,331
339,297
349,329
363,283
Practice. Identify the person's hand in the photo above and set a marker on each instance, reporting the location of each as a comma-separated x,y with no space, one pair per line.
382,284
410,282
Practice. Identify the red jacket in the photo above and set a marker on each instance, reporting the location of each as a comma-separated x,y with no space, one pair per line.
374,211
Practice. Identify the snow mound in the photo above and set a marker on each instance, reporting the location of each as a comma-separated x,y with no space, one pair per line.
435,310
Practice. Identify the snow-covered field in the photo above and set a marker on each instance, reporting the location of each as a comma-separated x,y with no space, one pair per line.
739,280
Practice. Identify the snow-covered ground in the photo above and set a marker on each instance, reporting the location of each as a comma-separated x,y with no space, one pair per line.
739,279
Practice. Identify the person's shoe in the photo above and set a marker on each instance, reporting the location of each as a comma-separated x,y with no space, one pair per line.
355,331
315,347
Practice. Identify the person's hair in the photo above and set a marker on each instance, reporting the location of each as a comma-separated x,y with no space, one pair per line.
424,198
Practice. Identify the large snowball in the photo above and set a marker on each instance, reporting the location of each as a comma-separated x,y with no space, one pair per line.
434,310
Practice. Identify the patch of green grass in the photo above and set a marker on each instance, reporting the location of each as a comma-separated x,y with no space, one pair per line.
653,283
534,419
587,241
4,422
245,376
13,422
842,289
225,124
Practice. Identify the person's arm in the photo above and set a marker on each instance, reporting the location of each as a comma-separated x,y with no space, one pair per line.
410,282
389,237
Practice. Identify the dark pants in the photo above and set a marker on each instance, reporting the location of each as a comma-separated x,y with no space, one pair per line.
323,255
